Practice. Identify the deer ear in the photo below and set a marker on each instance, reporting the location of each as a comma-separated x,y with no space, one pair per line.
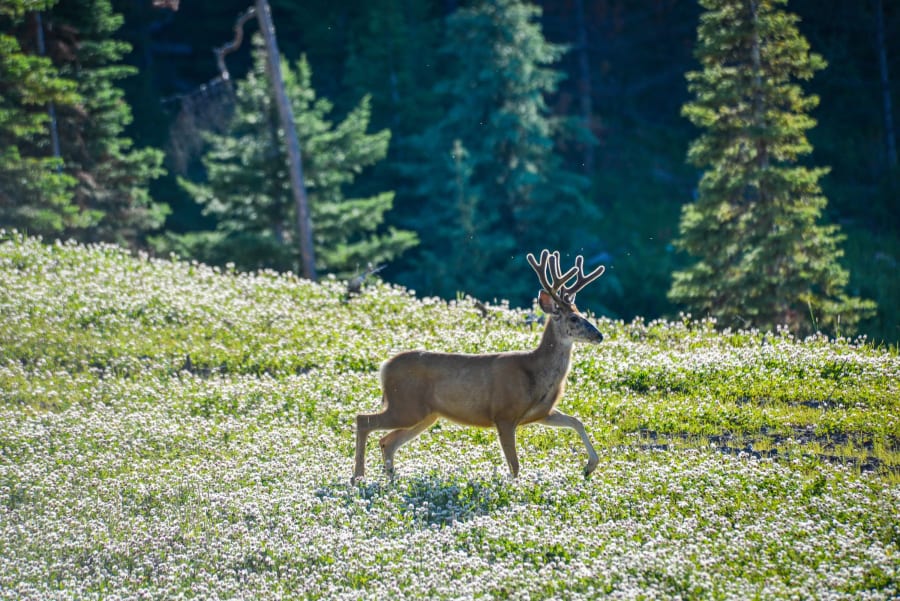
548,305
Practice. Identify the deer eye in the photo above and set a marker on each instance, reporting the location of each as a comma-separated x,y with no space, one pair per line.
573,319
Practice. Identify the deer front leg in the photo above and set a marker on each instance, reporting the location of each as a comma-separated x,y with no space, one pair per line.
507,432
561,420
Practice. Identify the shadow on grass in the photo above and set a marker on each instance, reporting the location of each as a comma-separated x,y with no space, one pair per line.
430,499
440,500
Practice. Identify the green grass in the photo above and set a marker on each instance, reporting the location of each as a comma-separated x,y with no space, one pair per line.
168,429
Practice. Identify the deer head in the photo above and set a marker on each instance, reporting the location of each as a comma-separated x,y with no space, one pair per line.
557,299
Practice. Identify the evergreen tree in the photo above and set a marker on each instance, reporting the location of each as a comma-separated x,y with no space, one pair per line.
489,172
35,194
97,188
390,55
248,189
112,176
763,257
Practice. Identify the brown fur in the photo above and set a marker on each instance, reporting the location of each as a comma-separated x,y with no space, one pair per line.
500,390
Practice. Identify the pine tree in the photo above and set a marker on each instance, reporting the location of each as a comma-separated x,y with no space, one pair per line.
35,194
489,171
763,256
248,189
112,176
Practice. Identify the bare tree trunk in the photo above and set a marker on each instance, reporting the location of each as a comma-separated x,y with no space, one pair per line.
51,109
295,164
889,137
584,81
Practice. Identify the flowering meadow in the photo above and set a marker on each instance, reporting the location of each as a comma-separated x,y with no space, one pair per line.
170,430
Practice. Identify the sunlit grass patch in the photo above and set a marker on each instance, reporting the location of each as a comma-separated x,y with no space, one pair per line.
168,429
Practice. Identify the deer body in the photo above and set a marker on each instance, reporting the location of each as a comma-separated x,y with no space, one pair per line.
533,381
500,390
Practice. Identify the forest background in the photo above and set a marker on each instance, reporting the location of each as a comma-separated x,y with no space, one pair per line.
625,67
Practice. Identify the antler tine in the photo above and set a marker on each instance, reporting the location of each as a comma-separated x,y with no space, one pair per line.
559,278
541,269
583,280
556,280
555,273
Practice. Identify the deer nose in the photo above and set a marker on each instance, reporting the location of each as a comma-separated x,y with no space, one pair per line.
594,334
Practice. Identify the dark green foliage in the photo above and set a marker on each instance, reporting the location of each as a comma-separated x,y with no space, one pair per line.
112,176
488,173
34,192
763,256
248,189
390,55
97,190
638,52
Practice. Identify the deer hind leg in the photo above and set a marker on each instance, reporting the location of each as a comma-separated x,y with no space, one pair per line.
507,433
386,420
561,420
389,443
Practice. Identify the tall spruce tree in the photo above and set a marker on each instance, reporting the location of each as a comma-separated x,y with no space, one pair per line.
35,194
248,189
97,188
763,257
112,176
487,180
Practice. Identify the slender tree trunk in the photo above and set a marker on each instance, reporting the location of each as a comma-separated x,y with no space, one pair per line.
295,164
51,109
889,137
762,154
584,81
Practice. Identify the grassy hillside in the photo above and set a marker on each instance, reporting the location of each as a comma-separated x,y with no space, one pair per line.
169,430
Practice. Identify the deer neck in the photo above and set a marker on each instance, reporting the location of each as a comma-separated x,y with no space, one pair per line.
554,353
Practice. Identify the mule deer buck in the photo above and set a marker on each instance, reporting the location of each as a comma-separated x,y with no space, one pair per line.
500,390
